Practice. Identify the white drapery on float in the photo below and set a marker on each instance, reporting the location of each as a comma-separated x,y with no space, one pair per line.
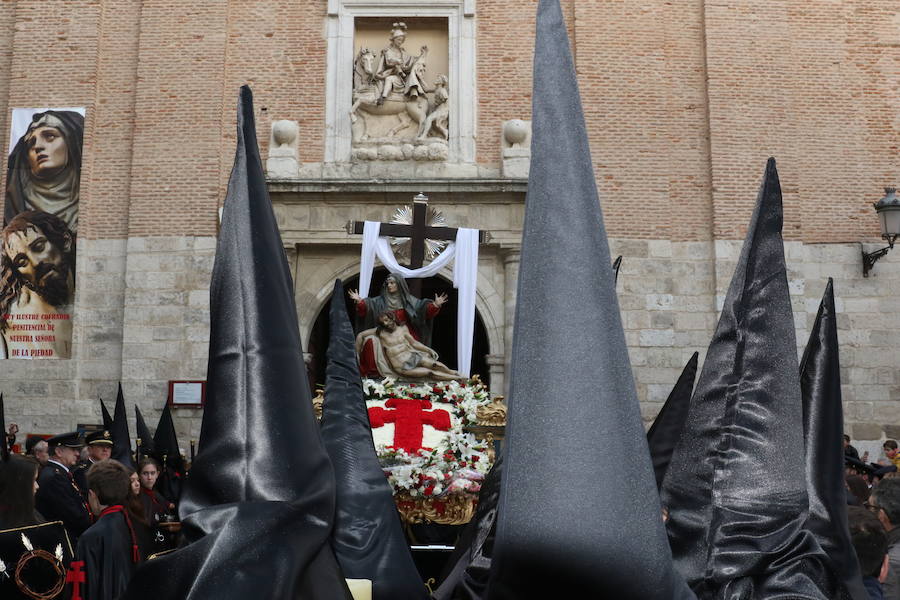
465,277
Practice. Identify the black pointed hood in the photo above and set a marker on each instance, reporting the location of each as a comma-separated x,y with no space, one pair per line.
168,453
563,528
823,427
121,450
666,429
735,487
368,538
258,506
471,561
142,432
107,418
165,442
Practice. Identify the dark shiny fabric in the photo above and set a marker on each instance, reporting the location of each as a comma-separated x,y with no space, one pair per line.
121,450
143,432
106,551
669,423
368,538
257,510
735,489
823,426
168,453
107,418
569,524
472,557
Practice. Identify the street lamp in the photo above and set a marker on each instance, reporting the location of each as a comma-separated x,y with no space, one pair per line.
888,209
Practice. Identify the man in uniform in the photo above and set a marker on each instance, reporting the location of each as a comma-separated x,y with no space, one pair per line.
58,498
99,447
37,447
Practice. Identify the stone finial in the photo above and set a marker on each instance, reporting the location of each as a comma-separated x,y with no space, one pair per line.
515,148
515,133
284,143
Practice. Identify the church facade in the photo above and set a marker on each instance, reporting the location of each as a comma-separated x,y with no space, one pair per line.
363,104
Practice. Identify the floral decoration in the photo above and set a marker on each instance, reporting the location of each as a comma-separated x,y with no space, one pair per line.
447,462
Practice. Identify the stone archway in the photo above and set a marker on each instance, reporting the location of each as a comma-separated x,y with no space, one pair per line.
444,338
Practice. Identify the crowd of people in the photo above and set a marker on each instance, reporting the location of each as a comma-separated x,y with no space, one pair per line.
873,496
113,515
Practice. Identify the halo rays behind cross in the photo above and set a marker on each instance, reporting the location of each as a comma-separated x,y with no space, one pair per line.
402,246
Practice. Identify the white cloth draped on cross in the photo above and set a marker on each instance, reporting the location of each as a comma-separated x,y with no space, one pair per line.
465,277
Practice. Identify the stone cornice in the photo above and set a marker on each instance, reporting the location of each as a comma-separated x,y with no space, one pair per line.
436,185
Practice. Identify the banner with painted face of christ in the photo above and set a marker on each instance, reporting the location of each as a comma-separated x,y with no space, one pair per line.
40,226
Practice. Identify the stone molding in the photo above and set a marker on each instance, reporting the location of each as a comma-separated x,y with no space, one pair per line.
380,186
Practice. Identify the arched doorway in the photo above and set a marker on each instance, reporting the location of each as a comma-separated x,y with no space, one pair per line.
443,332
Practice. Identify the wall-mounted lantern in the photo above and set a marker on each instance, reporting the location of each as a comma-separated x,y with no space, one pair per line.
888,209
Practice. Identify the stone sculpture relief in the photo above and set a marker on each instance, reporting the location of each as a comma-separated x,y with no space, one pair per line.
393,117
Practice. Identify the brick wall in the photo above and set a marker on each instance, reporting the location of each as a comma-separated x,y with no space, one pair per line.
814,84
683,100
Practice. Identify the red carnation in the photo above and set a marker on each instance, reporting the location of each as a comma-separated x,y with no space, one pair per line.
429,490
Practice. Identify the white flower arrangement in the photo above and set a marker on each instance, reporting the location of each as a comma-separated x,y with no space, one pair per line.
456,462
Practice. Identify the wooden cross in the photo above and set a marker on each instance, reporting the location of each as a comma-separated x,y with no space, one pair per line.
418,232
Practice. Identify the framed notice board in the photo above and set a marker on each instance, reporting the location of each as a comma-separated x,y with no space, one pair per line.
187,394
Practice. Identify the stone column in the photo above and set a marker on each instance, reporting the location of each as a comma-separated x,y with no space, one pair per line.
511,258
497,370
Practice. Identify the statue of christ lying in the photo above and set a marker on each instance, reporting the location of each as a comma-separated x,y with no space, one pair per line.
398,354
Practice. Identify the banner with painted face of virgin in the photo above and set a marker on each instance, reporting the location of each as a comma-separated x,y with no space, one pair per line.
40,228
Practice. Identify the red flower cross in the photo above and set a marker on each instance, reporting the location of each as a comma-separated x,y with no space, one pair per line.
409,417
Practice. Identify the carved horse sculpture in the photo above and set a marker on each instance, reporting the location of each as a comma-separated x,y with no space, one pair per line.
367,90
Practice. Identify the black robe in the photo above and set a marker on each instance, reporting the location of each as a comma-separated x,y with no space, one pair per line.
79,473
106,550
472,558
60,499
154,512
